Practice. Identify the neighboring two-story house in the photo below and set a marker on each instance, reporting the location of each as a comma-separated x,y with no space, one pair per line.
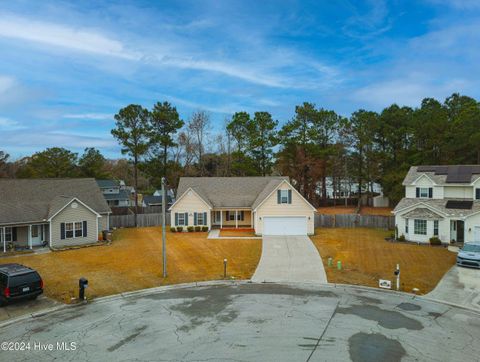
269,205
441,201
115,192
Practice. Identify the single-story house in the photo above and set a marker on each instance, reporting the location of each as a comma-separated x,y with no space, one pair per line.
269,205
53,212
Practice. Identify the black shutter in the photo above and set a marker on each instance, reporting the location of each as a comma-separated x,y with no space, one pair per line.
242,215
195,219
289,196
62,231
85,231
279,197
186,218
14,234
477,194
205,219
430,193
176,219
418,192
228,215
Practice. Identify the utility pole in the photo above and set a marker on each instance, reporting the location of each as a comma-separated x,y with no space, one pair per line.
164,231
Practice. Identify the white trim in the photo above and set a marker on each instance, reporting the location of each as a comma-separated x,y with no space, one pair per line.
293,188
431,208
30,236
422,175
68,203
50,234
183,195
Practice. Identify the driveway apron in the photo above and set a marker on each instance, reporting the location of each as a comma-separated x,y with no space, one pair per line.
460,286
289,259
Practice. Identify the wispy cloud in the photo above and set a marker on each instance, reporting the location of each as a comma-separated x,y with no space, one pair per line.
7,124
92,116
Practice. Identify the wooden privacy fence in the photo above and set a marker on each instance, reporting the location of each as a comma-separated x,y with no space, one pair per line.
128,221
354,220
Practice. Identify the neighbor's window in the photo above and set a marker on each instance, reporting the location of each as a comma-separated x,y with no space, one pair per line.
435,227
78,229
477,194
231,216
423,192
181,219
406,226
284,196
200,220
8,234
420,227
69,230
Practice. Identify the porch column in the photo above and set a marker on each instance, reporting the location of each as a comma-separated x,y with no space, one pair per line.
4,241
236,219
221,219
30,236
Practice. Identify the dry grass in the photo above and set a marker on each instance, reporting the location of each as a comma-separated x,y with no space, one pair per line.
367,257
336,210
382,211
134,261
238,232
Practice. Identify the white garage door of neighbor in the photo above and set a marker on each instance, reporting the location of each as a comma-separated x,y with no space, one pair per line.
284,225
477,233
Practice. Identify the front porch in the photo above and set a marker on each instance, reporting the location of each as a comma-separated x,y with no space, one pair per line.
24,237
232,219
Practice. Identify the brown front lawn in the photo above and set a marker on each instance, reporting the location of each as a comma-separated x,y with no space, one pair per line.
367,257
336,210
238,232
134,261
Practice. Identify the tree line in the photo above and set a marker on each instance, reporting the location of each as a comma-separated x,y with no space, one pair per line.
316,145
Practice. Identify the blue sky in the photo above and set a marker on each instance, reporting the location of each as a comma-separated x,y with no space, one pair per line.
67,67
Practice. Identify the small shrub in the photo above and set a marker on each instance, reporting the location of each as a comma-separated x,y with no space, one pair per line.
172,229
190,229
179,229
435,241
204,228
198,228
401,238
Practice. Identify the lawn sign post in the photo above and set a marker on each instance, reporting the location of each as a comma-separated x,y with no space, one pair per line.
164,231
397,273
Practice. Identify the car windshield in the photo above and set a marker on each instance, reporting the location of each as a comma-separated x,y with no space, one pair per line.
471,248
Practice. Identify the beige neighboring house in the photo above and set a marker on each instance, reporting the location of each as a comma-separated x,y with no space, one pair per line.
51,212
269,205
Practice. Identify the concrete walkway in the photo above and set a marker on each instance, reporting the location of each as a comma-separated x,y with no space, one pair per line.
459,286
215,234
289,259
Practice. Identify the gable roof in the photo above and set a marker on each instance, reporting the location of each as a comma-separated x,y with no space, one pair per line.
35,200
436,205
444,175
152,199
108,183
230,191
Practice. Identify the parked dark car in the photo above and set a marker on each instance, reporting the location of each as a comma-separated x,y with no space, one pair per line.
19,282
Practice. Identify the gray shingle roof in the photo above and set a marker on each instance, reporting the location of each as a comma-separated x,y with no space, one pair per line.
108,183
441,179
151,199
438,205
230,191
121,195
33,200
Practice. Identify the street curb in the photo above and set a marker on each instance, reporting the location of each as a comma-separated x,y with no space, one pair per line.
150,291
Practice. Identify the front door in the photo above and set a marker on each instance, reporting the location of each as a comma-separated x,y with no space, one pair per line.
37,231
460,231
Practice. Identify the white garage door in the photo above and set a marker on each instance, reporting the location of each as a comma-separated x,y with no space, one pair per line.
284,225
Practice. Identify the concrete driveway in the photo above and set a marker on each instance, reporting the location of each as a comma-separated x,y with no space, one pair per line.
460,286
291,259
252,322
17,309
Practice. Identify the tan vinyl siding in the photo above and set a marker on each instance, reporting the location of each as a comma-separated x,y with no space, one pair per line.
79,214
298,207
190,203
